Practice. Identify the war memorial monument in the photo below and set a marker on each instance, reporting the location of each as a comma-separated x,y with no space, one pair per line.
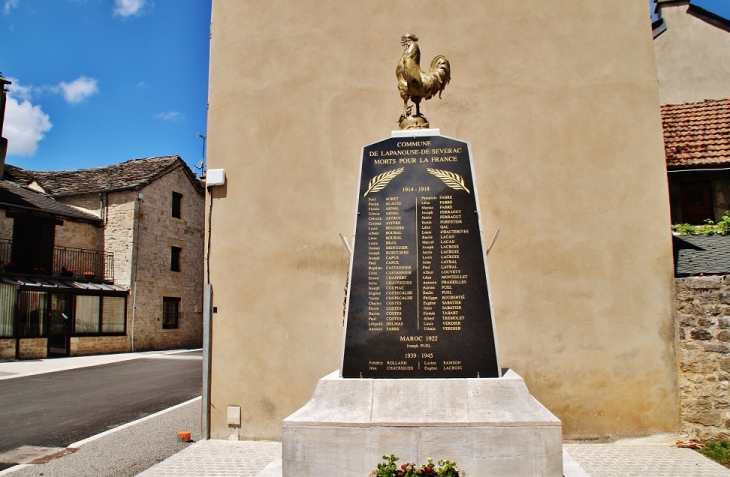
420,376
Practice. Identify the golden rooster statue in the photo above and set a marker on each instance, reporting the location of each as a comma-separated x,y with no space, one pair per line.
415,84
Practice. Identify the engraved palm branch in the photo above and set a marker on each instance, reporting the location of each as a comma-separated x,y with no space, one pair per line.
451,179
381,180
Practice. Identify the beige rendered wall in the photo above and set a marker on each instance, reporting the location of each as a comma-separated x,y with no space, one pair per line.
692,57
559,101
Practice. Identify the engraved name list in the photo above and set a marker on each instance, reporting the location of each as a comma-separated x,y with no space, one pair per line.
418,303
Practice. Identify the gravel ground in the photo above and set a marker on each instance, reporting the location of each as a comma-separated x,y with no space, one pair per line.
127,452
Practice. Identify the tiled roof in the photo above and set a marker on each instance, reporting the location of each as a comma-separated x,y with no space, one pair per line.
701,255
697,134
16,196
132,174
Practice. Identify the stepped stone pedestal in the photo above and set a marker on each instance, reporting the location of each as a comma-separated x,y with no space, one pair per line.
489,426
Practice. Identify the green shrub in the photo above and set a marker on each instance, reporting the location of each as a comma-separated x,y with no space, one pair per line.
709,228
719,451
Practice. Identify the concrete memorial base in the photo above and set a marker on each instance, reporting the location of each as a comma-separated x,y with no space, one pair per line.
490,427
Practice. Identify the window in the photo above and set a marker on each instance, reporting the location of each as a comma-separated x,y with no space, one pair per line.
33,308
176,204
7,309
696,202
170,310
113,314
100,314
175,259
87,314
33,240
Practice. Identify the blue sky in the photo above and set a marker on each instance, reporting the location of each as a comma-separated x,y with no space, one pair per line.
718,7
96,82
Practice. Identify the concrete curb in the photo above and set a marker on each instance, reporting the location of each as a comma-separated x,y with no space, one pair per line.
80,443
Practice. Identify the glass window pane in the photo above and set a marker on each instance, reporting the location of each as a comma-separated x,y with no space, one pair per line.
7,309
32,317
170,309
87,314
113,314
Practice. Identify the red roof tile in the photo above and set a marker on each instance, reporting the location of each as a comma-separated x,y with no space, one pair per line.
697,134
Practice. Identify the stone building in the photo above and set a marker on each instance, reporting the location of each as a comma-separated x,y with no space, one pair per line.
692,52
697,144
692,48
118,266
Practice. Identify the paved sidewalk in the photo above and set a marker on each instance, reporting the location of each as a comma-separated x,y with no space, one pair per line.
625,458
31,367
616,460
219,458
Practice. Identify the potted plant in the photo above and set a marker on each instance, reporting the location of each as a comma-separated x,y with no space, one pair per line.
67,271
89,274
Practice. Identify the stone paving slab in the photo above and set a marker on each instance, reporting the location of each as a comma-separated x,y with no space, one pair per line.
615,460
250,458
219,458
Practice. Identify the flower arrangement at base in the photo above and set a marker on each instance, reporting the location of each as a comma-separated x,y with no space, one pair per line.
389,468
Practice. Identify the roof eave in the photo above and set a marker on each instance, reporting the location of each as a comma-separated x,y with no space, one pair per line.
709,17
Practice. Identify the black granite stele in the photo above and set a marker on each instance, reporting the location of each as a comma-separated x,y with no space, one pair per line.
418,302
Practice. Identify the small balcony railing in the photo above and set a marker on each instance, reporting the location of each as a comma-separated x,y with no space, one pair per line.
56,262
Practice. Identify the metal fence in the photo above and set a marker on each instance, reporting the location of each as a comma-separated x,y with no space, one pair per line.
59,262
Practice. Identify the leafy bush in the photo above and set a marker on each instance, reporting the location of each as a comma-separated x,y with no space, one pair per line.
709,228
719,451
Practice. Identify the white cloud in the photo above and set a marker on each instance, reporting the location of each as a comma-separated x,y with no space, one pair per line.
20,91
77,90
126,8
173,116
25,126
10,4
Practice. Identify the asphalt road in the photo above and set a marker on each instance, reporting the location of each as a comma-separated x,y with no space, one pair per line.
58,409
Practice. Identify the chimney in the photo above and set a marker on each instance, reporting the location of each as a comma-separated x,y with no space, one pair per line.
3,141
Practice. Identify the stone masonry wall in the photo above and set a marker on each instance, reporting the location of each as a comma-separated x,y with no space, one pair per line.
158,232
703,346
85,345
119,235
33,348
7,349
6,226
79,234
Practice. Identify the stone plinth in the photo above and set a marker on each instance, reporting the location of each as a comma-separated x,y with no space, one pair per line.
489,426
